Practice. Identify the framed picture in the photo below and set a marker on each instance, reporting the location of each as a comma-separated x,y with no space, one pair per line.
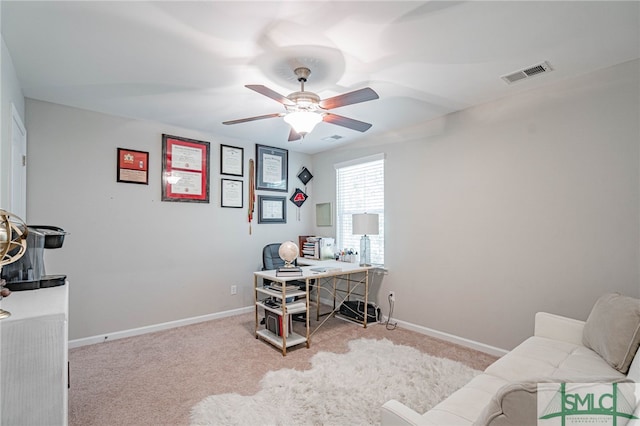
133,166
271,168
231,160
185,170
324,215
231,193
272,209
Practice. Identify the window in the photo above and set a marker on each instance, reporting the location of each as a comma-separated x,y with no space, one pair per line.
360,189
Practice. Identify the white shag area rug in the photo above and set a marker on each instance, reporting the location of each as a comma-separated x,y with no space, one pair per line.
341,389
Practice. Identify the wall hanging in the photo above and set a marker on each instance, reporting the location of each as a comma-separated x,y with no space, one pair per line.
133,166
231,160
298,198
231,193
271,168
185,169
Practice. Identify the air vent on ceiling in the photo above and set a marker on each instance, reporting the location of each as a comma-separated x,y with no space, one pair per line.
528,72
332,138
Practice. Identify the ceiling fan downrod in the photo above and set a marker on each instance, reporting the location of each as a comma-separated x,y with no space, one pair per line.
302,73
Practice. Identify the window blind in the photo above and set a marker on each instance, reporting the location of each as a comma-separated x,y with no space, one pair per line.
360,189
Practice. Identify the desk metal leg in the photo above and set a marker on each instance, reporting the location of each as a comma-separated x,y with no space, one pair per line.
366,297
308,299
317,285
255,302
335,282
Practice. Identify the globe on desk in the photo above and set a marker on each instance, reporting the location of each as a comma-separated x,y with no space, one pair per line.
288,252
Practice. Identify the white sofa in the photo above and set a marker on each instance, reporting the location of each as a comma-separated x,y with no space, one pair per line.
505,393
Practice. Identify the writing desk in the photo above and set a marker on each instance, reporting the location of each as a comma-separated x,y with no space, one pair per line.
315,272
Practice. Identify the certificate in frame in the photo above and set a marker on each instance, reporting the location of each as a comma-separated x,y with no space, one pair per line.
231,193
133,166
272,209
185,169
271,168
231,160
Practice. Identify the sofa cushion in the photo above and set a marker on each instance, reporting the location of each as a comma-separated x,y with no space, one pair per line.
464,405
613,330
542,357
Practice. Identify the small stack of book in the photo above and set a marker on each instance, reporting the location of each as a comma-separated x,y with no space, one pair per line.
278,287
289,272
311,249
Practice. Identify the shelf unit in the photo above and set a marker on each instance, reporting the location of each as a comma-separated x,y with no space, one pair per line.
288,338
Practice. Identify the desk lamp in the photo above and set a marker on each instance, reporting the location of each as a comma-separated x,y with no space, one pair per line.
365,225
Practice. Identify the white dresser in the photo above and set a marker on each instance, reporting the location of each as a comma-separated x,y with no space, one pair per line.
34,356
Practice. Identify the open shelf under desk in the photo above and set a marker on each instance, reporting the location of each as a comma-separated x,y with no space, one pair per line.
298,310
293,339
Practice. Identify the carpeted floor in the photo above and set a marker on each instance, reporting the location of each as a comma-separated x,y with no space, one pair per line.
156,379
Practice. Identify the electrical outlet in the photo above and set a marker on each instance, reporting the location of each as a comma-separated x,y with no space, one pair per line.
234,289
392,296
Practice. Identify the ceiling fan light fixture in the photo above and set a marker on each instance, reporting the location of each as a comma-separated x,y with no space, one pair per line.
306,109
303,122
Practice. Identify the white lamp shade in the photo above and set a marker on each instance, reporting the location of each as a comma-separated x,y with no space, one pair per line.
365,224
302,122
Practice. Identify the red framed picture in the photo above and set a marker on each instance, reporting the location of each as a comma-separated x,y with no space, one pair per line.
133,166
185,169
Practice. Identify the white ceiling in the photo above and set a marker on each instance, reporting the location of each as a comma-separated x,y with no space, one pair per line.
186,63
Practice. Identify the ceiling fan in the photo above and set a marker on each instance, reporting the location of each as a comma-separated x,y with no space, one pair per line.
305,109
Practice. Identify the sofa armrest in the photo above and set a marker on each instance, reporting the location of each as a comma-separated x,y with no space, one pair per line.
557,327
396,413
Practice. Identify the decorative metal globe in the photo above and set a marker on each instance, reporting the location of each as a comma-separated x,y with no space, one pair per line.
12,237
288,252
13,243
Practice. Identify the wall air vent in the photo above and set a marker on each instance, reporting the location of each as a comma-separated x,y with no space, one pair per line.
528,72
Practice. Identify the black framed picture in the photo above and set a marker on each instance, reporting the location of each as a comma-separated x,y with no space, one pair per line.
231,193
133,166
271,168
272,209
231,160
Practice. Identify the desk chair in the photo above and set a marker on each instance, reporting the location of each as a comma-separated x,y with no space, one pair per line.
272,260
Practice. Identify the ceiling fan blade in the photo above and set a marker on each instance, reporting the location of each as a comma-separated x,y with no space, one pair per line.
357,96
349,123
258,117
294,136
263,90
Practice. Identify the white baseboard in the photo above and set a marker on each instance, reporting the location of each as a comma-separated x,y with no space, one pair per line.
491,350
156,327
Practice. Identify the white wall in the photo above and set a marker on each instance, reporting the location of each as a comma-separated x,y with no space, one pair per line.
133,260
11,94
526,204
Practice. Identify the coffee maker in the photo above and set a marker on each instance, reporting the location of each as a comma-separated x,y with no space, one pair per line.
28,272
